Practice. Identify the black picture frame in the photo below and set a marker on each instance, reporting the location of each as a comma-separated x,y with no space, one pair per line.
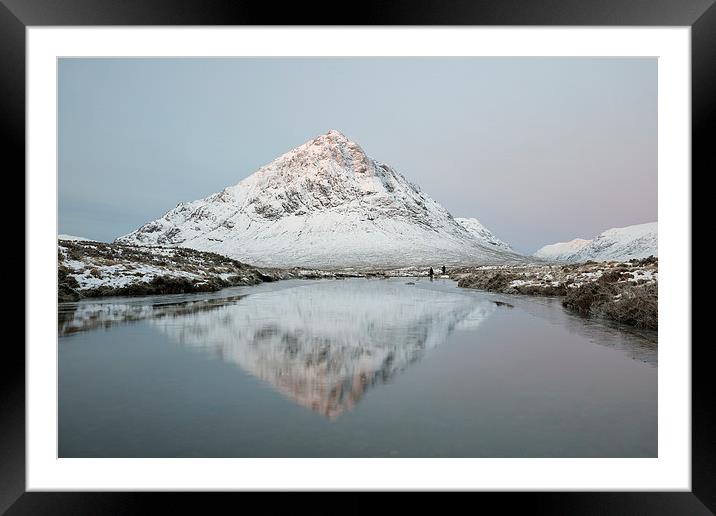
700,15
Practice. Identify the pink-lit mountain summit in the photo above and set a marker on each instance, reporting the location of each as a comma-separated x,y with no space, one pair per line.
326,204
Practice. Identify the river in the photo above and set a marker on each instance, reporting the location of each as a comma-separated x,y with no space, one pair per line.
400,367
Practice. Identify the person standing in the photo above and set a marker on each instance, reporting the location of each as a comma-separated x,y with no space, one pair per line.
443,270
431,273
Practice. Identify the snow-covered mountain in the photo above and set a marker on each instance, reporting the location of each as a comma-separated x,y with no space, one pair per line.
638,241
480,232
323,204
561,251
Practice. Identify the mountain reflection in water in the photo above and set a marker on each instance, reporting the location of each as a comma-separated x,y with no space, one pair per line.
322,344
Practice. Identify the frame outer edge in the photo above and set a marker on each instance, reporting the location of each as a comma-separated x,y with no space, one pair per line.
12,135
12,124
703,120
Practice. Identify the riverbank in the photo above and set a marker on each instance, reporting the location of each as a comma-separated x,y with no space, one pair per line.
93,269
624,292
88,269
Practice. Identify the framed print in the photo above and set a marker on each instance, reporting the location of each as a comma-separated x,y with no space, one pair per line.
417,253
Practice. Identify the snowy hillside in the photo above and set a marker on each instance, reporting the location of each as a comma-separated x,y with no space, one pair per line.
638,241
323,204
90,269
561,251
480,232
73,238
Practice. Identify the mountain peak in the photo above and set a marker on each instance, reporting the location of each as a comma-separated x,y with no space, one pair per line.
324,203
328,153
334,138
336,134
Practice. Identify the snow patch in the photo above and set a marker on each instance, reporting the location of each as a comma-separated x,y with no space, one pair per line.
74,238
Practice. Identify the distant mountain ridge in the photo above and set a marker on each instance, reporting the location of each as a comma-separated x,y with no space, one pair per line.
325,204
562,251
620,244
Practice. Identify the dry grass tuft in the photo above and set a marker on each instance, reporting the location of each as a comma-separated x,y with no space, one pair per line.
635,305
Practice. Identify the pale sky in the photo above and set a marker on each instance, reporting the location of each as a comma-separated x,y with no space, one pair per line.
540,150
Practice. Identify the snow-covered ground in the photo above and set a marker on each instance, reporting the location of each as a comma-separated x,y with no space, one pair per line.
89,268
638,241
554,279
73,238
325,204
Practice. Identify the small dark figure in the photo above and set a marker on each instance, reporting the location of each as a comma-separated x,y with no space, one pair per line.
431,273
443,269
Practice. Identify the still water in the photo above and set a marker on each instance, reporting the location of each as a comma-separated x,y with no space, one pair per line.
400,367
